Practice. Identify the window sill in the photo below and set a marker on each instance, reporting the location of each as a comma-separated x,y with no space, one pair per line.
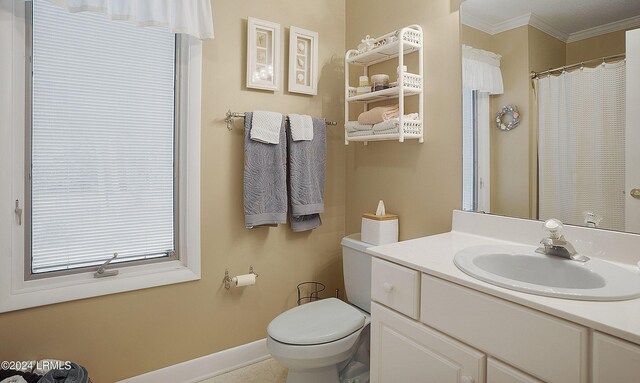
71,287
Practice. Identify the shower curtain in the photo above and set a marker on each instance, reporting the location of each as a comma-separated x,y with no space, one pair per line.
581,132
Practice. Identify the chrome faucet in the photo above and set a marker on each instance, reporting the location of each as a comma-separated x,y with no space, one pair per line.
555,244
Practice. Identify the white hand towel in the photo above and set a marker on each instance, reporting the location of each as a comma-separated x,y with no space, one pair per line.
301,127
354,126
265,127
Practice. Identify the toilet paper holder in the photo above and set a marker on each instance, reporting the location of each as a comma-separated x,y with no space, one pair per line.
227,280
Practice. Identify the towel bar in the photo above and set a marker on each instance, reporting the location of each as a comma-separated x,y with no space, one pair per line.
231,115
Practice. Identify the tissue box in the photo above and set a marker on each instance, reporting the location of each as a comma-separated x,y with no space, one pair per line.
379,230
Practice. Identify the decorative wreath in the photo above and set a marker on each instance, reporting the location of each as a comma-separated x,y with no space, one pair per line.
512,122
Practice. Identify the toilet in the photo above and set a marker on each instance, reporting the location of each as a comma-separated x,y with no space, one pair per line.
328,340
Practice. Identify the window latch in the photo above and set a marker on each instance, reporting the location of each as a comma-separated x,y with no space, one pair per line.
102,272
18,212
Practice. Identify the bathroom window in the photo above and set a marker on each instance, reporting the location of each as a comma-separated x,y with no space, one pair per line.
475,151
105,145
100,142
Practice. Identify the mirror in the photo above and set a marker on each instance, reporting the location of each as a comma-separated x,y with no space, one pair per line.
572,70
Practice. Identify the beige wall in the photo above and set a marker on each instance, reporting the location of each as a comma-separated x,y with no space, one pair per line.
126,334
475,38
596,47
510,150
420,182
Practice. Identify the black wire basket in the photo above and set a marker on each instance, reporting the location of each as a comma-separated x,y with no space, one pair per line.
309,292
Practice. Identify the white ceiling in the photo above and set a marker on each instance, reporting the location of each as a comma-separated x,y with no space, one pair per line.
566,17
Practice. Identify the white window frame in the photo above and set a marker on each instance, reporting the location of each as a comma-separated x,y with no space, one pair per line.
484,152
16,292
480,121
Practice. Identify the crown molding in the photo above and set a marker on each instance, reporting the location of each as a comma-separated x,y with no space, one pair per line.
513,23
547,28
538,23
475,23
620,25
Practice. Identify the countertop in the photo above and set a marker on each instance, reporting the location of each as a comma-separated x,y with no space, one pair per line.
434,255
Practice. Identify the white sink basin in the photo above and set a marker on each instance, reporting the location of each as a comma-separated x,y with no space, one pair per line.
521,268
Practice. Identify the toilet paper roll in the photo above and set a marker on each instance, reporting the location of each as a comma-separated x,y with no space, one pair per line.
244,280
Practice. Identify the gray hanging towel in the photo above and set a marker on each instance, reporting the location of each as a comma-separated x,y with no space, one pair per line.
265,179
307,162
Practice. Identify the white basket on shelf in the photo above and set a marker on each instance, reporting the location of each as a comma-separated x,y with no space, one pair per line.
352,91
410,80
413,36
412,127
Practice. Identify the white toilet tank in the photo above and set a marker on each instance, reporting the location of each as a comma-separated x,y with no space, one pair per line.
356,265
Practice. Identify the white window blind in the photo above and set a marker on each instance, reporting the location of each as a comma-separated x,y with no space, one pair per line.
102,140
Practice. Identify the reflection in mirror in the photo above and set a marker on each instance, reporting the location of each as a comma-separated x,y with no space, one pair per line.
572,69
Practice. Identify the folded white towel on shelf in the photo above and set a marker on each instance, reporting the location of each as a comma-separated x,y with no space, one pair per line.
354,126
388,131
393,123
301,127
386,125
265,126
359,133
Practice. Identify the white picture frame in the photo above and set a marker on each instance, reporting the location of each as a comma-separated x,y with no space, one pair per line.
263,54
303,61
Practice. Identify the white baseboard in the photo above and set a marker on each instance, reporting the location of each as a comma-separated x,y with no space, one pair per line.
207,366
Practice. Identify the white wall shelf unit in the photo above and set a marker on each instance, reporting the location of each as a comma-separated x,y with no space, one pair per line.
396,44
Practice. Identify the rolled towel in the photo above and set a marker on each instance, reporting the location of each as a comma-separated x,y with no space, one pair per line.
73,374
379,114
301,127
14,379
354,126
15,376
265,126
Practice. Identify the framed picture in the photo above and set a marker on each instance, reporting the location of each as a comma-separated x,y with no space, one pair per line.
303,61
263,54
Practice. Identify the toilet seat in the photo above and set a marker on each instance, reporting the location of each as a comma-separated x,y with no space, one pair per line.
317,322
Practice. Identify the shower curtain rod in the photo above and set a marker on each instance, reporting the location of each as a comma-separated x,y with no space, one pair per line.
535,75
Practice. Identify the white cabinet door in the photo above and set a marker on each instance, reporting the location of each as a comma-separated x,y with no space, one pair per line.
615,360
527,339
498,372
403,350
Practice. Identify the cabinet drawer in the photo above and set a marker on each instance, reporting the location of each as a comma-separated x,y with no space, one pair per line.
498,372
549,348
615,360
403,350
396,286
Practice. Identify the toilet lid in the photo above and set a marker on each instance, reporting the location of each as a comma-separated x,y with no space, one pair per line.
317,322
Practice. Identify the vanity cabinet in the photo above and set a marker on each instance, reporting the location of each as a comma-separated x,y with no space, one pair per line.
396,287
615,360
542,345
404,350
498,372
462,335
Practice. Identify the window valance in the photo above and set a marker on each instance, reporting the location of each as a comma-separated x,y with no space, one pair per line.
192,17
481,70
